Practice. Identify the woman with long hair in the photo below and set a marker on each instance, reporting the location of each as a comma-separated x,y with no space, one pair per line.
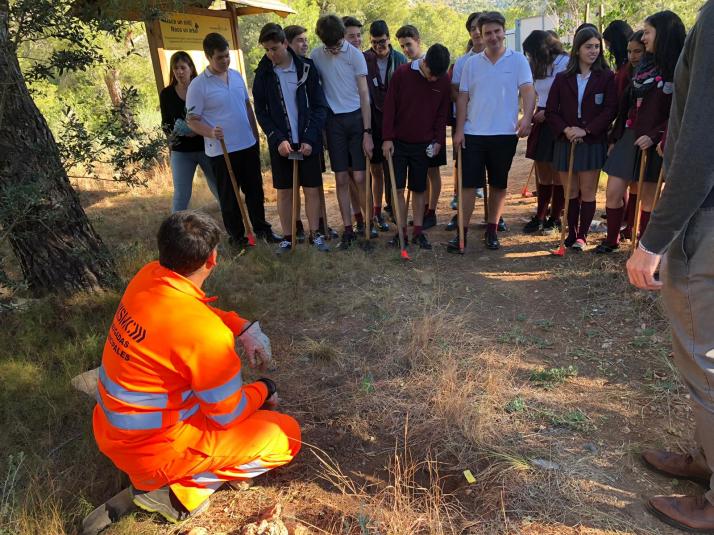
187,150
616,36
547,59
644,112
581,105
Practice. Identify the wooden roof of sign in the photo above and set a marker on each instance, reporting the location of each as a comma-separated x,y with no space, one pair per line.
146,10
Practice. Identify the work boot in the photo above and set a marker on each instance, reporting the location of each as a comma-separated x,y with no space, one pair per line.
163,502
689,513
679,465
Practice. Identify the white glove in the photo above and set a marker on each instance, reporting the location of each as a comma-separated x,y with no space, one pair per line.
256,346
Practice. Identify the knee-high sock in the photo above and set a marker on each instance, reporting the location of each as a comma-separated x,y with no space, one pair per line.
556,208
614,220
573,217
644,219
587,212
544,193
631,202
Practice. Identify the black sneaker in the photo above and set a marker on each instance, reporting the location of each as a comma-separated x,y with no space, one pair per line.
491,240
394,241
551,225
164,502
429,221
300,234
422,241
570,240
534,225
379,222
346,241
501,225
269,236
453,245
606,248
453,224
359,227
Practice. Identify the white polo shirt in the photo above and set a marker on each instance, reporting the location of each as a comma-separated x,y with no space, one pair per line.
459,67
221,104
493,92
339,74
288,86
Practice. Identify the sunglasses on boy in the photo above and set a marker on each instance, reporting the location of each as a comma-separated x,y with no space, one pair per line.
379,42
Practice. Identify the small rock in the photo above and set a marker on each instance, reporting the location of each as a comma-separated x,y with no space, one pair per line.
198,531
626,430
590,447
545,465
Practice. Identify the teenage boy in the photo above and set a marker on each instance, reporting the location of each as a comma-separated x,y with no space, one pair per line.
487,124
410,41
416,109
477,46
349,124
297,39
291,109
382,61
219,109
353,35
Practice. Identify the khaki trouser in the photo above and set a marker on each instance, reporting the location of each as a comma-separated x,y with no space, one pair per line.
688,295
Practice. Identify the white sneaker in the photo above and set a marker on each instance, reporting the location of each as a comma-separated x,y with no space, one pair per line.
319,242
284,247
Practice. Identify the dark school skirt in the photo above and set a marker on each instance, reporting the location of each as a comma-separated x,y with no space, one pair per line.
540,143
588,157
624,160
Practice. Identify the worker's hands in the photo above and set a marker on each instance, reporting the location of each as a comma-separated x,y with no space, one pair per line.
217,132
640,270
459,139
644,142
436,148
257,347
575,134
284,149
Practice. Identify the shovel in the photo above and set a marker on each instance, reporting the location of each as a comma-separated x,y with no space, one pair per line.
241,203
295,156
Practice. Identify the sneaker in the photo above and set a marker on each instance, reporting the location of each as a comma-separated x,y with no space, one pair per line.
379,222
346,240
579,245
163,502
551,225
453,245
422,241
491,240
454,203
319,242
533,225
269,236
332,233
429,221
394,241
479,193
359,227
502,225
453,224
300,234
626,233
606,248
569,241
284,247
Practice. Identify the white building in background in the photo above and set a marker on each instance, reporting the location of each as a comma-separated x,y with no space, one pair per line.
516,36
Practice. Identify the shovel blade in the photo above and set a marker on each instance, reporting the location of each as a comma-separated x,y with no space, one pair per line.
251,240
559,252
405,255
295,156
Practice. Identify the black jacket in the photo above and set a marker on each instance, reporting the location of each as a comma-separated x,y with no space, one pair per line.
311,103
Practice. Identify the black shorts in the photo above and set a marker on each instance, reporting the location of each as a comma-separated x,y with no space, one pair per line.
344,141
410,160
309,171
488,153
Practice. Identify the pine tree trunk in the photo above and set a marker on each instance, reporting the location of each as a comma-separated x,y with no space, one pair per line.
111,79
53,241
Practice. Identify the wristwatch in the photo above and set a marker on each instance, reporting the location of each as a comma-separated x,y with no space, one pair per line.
367,131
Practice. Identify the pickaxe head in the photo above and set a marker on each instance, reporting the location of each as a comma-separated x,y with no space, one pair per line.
251,240
405,255
559,252
295,155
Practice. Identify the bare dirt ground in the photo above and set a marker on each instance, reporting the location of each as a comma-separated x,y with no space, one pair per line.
543,376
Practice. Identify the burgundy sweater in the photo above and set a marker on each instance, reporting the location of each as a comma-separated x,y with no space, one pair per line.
416,110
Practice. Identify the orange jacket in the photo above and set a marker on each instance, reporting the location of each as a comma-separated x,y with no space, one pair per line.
169,371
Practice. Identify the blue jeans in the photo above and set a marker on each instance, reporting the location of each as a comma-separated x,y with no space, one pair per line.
183,168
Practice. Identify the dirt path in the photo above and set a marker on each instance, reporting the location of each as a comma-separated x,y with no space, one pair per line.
543,376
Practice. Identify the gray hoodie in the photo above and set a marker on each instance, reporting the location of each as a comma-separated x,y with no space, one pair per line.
689,157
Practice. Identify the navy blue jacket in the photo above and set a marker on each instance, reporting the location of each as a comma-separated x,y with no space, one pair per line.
311,103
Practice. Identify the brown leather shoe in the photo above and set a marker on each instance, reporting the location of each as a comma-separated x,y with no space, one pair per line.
680,465
689,513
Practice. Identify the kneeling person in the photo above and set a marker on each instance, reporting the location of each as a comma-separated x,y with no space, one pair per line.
291,109
415,113
173,411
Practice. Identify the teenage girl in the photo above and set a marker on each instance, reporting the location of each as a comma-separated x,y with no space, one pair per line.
581,105
547,59
643,116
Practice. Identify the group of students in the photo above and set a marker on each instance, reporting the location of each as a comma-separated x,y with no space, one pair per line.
373,106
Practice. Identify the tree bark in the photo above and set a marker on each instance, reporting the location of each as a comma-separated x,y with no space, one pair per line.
51,237
111,79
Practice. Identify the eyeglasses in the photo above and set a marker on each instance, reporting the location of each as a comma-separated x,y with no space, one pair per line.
336,48
379,42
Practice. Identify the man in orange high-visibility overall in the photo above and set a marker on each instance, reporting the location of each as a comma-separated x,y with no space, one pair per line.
173,411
